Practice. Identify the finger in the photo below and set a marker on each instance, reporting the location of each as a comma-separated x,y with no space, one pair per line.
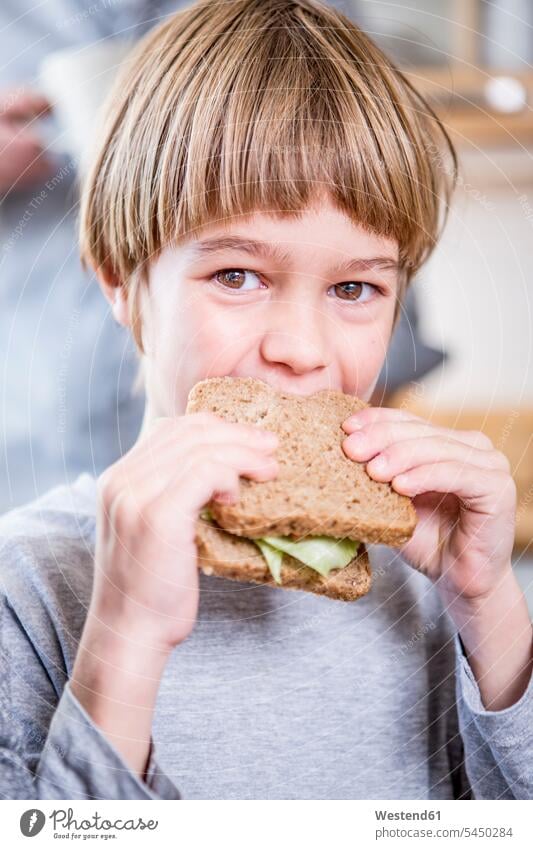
374,415
368,415
189,491
169,439
173,515
235,431
147,477
190,431
402,456
481,490
23,160
362,445
17,138
23,105
246,461
18,141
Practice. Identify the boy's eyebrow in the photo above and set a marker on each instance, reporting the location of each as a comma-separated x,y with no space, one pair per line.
269,250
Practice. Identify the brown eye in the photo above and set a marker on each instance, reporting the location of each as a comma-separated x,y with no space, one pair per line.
237,278
355,292
233,278
349,291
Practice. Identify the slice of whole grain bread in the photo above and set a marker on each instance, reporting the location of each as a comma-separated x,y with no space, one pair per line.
238,559
319,490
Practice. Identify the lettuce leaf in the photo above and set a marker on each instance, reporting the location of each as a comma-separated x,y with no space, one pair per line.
273,558
319,553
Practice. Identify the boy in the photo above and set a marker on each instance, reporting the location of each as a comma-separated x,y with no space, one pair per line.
265,186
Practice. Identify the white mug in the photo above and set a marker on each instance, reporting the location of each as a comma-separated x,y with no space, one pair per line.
76,82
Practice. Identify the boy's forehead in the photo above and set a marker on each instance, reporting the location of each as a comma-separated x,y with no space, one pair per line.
323,234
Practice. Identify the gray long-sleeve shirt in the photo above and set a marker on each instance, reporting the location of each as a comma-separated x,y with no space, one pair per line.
275,694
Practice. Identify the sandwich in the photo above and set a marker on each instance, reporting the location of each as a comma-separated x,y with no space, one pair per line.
306,529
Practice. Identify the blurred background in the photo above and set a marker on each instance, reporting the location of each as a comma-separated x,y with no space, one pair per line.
462,354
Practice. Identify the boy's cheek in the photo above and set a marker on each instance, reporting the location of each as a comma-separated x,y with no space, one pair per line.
193,348
219,343
362,368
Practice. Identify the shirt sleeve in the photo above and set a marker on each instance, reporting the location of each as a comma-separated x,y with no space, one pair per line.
498,744
49,746
78,762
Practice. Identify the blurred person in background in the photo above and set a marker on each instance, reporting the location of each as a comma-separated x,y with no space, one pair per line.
67,404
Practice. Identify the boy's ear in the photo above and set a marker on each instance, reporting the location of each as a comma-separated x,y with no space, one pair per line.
115,294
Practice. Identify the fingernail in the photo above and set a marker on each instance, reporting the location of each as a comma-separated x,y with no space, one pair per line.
352,424
356,444
402,484
270,437
225,498
378,464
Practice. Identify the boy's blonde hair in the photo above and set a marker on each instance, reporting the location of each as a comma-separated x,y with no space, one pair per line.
228,108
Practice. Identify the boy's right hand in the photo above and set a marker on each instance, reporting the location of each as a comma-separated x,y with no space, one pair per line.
145,591
146,575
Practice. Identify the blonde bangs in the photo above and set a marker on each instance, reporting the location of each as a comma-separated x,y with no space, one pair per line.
230,108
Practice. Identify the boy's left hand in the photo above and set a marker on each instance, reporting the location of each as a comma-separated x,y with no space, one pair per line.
462,490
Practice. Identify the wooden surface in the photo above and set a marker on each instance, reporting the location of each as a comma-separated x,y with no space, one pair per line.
511,431
456,93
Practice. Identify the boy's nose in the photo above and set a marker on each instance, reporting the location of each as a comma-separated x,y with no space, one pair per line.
295,337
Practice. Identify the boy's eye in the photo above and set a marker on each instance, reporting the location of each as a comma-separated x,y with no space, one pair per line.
244,280
236,278
353,291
